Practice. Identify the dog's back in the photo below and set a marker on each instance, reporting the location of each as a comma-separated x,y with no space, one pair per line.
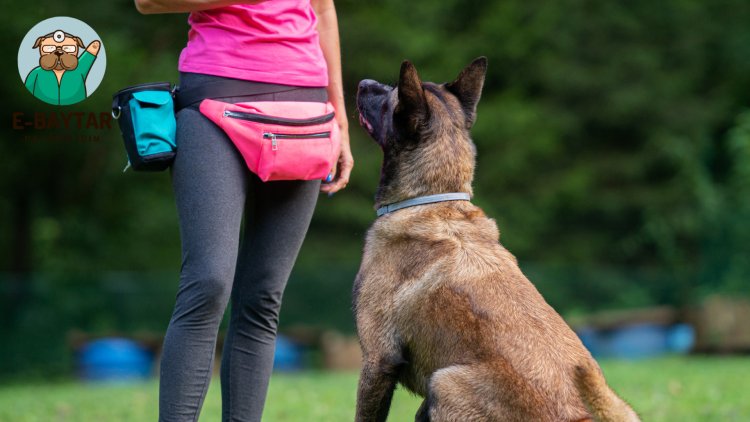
464,311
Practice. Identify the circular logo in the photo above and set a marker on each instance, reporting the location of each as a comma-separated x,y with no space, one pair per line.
61,60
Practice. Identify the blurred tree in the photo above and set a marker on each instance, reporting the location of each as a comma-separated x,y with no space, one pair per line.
614,152
726,249
600,134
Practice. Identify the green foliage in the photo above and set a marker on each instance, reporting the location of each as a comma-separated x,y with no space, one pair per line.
600,134
613,151
727,254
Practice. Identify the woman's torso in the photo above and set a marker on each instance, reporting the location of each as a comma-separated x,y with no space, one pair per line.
275,41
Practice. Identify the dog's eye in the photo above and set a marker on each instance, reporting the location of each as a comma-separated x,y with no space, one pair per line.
69,48
48,48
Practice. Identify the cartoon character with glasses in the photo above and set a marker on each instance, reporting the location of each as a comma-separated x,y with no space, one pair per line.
60,78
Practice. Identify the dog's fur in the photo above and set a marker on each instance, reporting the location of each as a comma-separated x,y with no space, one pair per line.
441,306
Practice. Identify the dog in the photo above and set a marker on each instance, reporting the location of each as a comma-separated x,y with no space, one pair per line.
441,306
61,75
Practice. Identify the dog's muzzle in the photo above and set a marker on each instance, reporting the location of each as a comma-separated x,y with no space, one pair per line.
370,97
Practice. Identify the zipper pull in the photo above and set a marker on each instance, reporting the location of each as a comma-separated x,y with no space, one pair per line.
274,145
127,166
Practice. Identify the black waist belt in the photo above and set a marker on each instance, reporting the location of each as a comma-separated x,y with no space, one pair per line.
225,88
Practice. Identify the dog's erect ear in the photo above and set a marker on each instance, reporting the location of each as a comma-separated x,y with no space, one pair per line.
38,42
412,104
468,87
79,42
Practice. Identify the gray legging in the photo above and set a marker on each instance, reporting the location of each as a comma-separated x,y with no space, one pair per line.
222,257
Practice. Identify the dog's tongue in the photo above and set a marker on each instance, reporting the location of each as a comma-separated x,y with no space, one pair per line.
364,123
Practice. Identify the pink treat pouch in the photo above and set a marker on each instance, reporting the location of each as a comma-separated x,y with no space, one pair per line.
280,140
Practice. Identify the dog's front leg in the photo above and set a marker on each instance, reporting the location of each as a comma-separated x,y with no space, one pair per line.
423,413
377,381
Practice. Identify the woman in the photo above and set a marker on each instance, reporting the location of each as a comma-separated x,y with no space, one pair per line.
276,50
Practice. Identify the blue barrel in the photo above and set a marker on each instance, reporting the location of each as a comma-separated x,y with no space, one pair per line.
114,359
591,340
288,356
681,338
638,341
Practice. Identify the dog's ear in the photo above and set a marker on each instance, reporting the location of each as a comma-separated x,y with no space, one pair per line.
38,42
79,41
412,104
468,87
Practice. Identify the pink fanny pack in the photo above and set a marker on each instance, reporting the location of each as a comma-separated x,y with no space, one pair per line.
280,140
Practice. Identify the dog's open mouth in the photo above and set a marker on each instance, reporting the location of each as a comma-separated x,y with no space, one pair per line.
364,123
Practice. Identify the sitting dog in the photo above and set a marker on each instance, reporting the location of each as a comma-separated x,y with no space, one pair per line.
441,306
60,78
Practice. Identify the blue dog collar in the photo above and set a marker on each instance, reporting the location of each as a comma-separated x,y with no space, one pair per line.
422,200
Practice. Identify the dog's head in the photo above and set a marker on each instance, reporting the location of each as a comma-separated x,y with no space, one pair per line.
58,50
423,129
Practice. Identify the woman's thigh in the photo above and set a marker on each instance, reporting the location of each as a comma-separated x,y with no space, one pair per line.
210,184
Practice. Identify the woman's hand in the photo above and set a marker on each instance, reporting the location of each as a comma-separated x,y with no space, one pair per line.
343,168
328,32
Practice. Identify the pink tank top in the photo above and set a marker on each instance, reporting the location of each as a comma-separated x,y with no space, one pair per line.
275,41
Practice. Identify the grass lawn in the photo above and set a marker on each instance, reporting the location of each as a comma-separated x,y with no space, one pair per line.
673,389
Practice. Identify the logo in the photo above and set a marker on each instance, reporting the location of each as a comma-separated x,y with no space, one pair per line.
61,60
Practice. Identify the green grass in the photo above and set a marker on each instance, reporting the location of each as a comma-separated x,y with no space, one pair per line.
673,389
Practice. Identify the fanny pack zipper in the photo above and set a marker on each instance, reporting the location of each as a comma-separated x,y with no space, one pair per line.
274,136
283,121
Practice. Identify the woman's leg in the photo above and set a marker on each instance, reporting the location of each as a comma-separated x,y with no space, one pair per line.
278,215
210,181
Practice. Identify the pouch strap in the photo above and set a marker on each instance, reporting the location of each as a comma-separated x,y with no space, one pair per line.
225,88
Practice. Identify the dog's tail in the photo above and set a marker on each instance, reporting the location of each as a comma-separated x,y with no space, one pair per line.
601,401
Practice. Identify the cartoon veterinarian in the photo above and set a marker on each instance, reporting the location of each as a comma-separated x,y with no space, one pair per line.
60,78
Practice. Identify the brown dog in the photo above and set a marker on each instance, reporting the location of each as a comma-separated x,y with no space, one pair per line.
441,306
